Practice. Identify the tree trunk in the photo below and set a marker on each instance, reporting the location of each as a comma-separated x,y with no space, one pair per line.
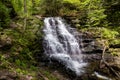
25,12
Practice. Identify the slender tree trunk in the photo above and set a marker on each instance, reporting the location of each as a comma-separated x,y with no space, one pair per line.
25,13
89,11
33,3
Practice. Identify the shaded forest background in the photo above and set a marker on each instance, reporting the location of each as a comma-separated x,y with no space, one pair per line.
21,23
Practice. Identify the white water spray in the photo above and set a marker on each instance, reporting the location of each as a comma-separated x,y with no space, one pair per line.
62,45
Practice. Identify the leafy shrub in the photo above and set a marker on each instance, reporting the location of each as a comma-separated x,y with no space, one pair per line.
4,15
53,9
109,34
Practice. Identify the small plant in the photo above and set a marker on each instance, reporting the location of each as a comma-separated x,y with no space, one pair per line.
20,71
114,53
109,34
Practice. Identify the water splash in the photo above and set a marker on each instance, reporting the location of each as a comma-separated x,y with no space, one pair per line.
61,44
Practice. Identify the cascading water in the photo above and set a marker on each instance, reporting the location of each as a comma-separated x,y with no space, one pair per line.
62,45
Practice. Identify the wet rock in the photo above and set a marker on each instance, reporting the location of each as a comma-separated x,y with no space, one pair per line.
89,45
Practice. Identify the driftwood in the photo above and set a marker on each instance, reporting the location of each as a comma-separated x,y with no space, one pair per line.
107,64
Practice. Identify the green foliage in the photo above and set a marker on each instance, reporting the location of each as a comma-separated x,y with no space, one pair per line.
68,9
104,33
72,1
4,15
108,34
4,63
17,4
21,50
36,6
53,9
90,12
114,52
111,36
24,45
115,41
20,71
113,17
32,7
96,16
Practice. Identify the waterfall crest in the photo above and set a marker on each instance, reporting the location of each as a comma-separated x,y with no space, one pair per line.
62,45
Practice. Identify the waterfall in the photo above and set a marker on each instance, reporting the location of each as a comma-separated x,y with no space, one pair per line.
61,44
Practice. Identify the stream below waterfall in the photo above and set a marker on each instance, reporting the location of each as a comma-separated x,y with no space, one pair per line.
67,46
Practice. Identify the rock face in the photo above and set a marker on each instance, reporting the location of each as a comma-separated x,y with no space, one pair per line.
67,47
6,75
90,45
89,42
